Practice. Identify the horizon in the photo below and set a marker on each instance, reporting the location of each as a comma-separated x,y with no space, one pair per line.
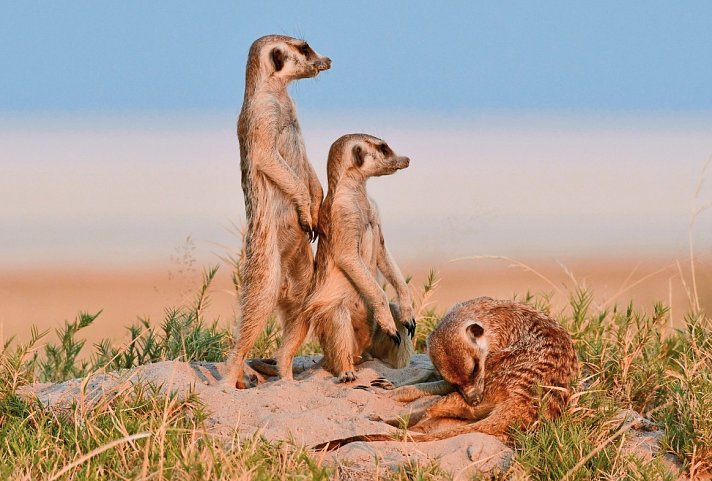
116,192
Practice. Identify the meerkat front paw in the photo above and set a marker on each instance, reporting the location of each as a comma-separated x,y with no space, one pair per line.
407,318
410,327
388,326
315,219
386,320
246,382
346,376
304,217
305,220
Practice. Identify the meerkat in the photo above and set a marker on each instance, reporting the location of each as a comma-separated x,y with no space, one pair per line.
282,192
348,310
497,361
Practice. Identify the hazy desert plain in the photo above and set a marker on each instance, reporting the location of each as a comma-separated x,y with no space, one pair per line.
48,297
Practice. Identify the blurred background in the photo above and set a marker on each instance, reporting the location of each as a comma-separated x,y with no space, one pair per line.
552,146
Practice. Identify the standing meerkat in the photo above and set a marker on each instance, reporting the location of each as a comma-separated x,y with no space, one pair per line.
349,311
497,360
282,192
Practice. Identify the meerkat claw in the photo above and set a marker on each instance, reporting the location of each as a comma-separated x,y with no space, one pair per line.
382,383
410,327
347,376
396,338
361,387
305,227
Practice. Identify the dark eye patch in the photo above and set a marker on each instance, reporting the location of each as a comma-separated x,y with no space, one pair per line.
385,150
304,49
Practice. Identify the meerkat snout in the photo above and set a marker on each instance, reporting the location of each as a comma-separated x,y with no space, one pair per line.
472,394
401,162
324,63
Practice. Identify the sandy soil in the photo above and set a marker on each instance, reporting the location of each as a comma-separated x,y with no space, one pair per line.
314,409
47,297
324,411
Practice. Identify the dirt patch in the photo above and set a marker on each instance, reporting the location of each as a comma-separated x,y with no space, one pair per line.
313,409
310,410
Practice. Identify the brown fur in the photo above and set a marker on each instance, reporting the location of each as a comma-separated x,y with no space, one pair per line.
529,358
282,192
348,309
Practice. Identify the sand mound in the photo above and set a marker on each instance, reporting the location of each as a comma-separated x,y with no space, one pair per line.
310,411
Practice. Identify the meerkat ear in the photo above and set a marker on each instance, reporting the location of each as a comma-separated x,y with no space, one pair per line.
475,330
358,155
277,59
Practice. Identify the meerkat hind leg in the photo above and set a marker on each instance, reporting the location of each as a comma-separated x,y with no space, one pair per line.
295,314
452,406
508,414
295,331
337,339
261,283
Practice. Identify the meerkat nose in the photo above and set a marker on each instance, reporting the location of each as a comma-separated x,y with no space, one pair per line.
325,63
471,394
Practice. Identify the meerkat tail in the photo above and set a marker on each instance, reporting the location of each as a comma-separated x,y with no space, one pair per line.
268,367
416,438
337,443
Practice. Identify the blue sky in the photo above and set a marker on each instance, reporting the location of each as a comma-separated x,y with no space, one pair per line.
413,56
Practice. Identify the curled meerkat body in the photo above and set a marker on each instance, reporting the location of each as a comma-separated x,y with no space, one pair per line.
494,357
282,191
348,310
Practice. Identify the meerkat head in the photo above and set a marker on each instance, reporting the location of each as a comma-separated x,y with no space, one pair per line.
372,157
458,348
364,155
285,58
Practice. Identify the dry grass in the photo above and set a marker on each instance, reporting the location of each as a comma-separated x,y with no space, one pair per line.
140,434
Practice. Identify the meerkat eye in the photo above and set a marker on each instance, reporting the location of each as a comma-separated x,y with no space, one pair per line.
304,49
384,149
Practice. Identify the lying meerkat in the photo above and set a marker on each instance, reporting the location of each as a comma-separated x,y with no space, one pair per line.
348,310
495,358
282,192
